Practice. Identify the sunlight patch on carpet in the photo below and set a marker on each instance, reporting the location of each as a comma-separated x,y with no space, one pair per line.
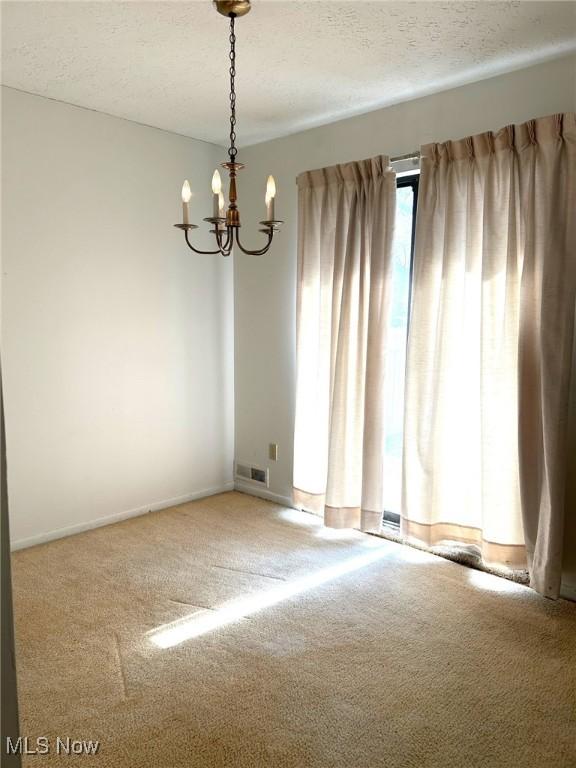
412,555
494,583
299,517
201,622
339,534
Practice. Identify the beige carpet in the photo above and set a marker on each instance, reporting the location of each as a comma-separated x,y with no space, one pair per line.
363,653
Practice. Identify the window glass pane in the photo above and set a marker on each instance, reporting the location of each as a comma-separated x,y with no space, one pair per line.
396,349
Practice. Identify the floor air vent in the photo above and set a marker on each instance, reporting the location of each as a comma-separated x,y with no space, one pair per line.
250,474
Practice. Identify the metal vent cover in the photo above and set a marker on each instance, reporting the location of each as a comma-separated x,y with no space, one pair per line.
252,474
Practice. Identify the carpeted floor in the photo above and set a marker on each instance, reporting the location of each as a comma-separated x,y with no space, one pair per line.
232,632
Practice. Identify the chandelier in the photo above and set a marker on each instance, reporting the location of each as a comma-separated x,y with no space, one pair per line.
227,224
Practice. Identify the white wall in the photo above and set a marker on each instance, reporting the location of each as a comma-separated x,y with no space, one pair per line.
117,341
265,287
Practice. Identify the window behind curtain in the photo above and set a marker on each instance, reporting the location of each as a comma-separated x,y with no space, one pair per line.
406,201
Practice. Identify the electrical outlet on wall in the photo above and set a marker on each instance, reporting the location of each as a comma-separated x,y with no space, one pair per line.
273,451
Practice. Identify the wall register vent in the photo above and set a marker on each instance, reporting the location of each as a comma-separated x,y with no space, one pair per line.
250,474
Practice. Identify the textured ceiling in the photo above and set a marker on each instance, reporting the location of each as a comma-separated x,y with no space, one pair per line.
300,63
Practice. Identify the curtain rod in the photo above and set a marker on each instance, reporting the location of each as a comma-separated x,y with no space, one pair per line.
409,156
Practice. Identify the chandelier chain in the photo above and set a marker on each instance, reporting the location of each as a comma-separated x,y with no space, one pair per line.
232,152
226,224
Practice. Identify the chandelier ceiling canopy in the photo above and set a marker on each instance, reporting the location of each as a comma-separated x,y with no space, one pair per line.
227,223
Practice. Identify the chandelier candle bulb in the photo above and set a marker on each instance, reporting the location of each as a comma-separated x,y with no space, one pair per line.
270,194
216,191
186,195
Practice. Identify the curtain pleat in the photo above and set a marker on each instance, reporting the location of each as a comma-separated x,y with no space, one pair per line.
546,335
490,344
345,228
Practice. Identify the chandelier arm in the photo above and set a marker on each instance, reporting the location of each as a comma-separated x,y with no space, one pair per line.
226,248
258,252
196,250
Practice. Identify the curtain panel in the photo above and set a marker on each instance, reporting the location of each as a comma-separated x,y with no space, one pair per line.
490,346
345,230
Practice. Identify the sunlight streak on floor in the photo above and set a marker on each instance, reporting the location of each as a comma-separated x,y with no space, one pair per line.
201,622
299,517
339,534
493,583
413,555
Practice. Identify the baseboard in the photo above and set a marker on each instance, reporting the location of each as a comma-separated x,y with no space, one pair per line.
70,530
568,591
263,493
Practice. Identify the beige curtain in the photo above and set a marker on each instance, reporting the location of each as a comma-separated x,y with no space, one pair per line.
346,219
490,342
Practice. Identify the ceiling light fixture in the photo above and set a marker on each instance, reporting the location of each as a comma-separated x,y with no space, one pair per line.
227,226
